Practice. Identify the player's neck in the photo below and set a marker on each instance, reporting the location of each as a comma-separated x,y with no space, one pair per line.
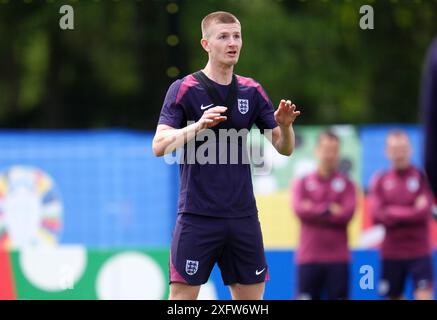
325,173
222,74
402,168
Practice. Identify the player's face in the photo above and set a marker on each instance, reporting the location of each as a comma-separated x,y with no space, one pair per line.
328,153
224,43
398,150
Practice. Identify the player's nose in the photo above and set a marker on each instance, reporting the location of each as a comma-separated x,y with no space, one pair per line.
233,48
232,43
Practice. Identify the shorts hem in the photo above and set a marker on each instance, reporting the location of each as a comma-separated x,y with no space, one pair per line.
228,283
187,283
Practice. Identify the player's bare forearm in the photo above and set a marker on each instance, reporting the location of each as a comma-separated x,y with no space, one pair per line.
168,139
284,140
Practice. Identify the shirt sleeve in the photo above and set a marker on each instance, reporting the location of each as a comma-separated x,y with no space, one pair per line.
265,118
172,112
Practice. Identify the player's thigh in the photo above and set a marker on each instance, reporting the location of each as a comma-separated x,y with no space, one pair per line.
243,259
421,272
196,246
247,291
337,281
183,291
393,276
310,281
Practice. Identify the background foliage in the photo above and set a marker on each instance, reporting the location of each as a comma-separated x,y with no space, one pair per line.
113,70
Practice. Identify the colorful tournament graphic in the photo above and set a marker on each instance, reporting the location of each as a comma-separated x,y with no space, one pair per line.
95,220
31,208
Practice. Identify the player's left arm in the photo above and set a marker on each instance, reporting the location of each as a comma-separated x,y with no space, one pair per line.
420,210
283,135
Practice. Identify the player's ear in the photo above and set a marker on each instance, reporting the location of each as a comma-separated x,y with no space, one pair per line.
205,44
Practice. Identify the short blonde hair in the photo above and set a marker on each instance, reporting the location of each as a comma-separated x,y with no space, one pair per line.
217,17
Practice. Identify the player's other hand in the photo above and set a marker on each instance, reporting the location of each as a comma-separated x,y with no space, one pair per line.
307,204
211,117
421,202
286,113
335,208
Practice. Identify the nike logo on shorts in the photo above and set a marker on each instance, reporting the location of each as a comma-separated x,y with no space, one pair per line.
206,107
259,272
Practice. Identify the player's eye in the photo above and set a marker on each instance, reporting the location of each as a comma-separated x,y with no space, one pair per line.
237,36
222,36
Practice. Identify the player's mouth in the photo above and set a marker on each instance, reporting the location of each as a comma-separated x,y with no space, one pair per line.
232,53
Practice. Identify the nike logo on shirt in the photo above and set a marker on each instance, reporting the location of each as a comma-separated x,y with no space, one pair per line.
259,272
206,107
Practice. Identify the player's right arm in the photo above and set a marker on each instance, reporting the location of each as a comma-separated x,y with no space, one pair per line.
167,139
173,129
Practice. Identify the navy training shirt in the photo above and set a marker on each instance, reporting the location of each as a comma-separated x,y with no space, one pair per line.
214,189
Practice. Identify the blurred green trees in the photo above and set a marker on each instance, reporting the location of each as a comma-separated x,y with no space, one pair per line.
114,68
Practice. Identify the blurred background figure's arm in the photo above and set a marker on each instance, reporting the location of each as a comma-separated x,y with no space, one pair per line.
305,209
419,211
341,213
376,203
429,109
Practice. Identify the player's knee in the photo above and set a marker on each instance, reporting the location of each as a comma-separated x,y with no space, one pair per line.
181,291
247,292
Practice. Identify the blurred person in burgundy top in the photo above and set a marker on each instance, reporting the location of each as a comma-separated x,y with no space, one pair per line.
401,200
325,202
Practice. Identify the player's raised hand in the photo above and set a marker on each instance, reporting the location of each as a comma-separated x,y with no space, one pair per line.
211,117
286,113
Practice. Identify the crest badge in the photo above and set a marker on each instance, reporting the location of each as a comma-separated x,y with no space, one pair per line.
191,267
243,106
338,185
413,184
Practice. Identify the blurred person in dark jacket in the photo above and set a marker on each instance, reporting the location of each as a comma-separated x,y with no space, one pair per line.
429,109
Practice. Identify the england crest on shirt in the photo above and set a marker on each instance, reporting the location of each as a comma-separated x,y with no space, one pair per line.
338,185
243,106
412,184
191,267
